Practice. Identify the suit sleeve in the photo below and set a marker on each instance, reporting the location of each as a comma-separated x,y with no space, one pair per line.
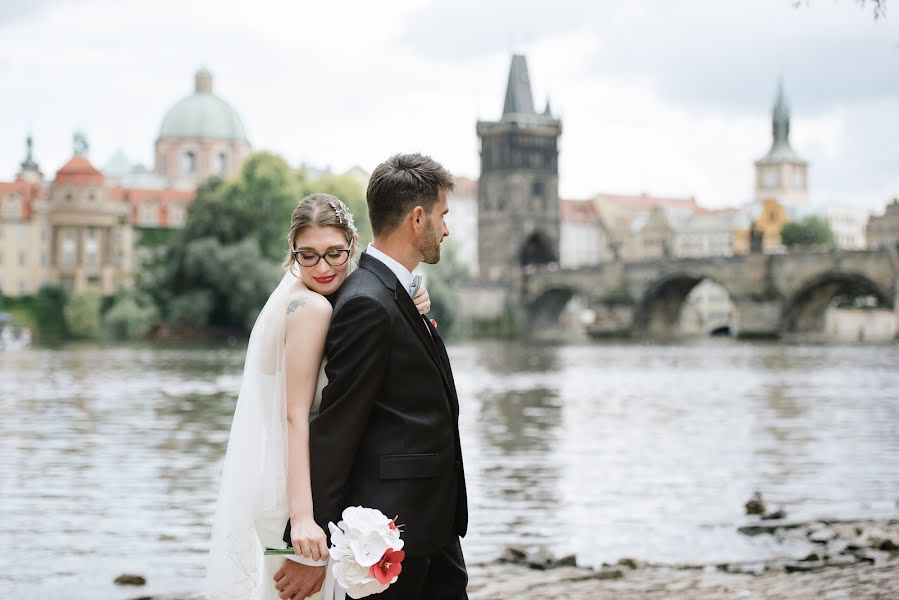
357,350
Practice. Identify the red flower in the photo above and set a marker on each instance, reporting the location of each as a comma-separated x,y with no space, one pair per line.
434,323
388,567
391,524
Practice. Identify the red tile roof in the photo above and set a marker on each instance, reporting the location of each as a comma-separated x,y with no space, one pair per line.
165,197
578,211
645,201
79,171
466,187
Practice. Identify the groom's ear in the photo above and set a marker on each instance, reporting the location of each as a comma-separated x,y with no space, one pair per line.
418,217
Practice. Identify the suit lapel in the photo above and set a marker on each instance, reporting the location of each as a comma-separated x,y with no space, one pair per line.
447,370
406,305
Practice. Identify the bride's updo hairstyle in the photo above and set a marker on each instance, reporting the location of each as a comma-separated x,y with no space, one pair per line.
321,210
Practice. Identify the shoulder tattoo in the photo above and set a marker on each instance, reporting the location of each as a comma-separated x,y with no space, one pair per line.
295,304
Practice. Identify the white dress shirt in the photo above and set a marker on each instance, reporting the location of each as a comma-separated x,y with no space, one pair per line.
402,273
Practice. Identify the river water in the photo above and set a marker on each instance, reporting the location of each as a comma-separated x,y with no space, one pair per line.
110,455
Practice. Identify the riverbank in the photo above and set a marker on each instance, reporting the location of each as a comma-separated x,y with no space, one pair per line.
856,582
852,560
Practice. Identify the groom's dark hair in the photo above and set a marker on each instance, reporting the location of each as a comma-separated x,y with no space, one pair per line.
401,183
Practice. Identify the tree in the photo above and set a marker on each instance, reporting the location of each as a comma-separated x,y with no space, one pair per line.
82,315
811,231
256,203
131,315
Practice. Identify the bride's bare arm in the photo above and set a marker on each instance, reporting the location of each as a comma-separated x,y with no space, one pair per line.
306,326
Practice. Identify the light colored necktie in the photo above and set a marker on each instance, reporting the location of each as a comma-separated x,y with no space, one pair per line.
416,284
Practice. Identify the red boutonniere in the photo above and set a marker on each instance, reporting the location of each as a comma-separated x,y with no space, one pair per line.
434,323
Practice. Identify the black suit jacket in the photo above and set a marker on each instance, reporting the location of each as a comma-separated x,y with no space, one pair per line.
387,432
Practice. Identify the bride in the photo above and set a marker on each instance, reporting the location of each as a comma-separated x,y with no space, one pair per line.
265,477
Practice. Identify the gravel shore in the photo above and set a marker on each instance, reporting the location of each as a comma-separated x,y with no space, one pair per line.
853,560
856,582
857,560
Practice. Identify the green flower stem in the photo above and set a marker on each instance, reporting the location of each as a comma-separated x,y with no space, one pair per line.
278,551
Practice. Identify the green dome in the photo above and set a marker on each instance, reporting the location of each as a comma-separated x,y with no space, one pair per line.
202,115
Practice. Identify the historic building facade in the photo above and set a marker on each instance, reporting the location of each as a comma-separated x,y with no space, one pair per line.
883,230
518,191
80,229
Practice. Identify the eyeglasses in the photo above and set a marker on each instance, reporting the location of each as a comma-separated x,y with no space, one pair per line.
334,257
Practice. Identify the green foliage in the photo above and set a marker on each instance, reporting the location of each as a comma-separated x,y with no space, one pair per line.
47,309
230,282
131,316
192,308
256,203
82,315
810,231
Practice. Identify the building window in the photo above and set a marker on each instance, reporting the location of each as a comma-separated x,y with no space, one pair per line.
21,258
189,162
90,247
798,179
68,247
769,178
221,163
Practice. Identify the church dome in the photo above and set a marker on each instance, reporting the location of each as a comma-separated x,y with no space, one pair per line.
202,115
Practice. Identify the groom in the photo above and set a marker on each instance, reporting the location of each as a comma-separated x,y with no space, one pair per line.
387,433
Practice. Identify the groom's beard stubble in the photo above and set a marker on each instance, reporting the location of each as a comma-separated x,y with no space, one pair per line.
429,245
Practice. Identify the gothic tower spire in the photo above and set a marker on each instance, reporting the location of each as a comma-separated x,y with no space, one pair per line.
519,99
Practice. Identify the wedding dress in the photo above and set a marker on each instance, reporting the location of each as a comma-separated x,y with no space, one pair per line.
252,509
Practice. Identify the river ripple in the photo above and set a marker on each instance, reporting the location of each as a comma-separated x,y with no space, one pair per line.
110,455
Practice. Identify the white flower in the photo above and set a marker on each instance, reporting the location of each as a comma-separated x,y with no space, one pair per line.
356,579
359,541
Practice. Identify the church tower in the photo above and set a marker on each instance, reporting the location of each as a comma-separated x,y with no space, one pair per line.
781,174
518,192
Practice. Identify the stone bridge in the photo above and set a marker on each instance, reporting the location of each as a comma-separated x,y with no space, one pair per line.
773,294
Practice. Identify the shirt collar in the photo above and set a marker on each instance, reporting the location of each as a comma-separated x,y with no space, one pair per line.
401,272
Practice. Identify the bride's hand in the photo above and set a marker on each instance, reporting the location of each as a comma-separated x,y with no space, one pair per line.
308,539
422,300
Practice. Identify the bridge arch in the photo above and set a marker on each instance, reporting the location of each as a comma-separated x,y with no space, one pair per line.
659,311
545,310
804,311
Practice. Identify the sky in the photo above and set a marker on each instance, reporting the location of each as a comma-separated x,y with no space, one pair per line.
667,98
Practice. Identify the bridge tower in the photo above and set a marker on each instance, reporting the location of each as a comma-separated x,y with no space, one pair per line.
518,192
781,174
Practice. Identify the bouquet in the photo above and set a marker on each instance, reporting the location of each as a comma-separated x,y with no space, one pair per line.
366,551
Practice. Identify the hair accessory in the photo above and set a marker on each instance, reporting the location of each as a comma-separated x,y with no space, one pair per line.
344,216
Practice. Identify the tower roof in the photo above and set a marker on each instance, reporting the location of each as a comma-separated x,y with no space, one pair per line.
519,99
781,151
202,115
